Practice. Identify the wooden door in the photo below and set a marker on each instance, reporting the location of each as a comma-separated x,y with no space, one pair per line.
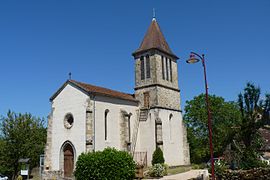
68,161
146,99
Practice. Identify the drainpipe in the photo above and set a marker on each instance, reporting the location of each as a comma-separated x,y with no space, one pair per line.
94,123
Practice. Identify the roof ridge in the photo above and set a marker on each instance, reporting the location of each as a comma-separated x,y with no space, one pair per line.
89,88
78,82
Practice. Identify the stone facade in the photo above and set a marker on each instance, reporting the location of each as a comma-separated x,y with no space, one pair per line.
48,147
163,93
160,97
89,126
155,70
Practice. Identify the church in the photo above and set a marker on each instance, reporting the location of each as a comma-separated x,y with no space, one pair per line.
86,118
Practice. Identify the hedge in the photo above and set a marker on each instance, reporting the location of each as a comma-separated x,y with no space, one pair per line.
108,164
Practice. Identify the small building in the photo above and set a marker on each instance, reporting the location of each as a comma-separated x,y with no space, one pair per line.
86,117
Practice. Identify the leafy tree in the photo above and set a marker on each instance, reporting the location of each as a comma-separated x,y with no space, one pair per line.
254,115
21,136
225,116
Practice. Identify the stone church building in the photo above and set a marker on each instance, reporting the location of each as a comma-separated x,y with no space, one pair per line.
87,118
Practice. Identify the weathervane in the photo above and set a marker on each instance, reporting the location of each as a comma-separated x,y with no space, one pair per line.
69,75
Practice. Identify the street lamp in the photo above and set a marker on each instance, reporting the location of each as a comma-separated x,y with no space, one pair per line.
194,58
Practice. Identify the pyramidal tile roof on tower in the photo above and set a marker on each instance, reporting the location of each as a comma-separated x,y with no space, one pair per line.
154,39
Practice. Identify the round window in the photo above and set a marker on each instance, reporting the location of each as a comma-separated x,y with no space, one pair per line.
68,121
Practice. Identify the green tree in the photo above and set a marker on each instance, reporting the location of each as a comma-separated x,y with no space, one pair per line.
158,157
225,116
254,115
22,136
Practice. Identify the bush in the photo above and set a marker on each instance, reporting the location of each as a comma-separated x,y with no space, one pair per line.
220,167
158,157
254,174
108,164
157,170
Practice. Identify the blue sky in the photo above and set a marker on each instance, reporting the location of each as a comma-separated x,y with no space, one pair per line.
42,41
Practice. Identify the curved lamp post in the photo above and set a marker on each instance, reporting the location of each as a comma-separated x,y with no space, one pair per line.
194,58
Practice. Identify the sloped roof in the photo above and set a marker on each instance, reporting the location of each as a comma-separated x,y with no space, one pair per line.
96,90
154,39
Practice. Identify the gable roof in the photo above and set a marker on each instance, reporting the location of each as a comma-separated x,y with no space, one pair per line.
95,90
154,39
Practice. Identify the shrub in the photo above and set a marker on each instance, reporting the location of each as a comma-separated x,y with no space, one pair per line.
220,167
158,157
157,170
108,164
255,174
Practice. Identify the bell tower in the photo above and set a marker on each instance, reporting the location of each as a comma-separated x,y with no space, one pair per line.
156,73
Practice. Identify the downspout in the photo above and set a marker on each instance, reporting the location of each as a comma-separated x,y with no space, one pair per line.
94,122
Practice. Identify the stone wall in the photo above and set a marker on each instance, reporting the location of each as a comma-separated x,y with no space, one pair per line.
168,98
156,72
124,131
163,93
48,147
254,174
89,125
185,145
53,175
160,96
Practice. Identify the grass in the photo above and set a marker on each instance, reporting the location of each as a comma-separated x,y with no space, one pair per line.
178,169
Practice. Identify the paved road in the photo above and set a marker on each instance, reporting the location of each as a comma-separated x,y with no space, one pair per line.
186,175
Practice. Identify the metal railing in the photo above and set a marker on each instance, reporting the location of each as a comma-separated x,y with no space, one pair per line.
140,158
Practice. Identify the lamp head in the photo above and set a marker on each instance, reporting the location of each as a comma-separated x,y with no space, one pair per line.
192,59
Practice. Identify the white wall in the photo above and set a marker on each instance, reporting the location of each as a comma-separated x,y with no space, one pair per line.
172,137
146,136
114,116
73,101
172,144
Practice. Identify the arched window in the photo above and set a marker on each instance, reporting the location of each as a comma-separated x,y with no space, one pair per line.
170,70
163,69
106,123
142,68
167,69
148,73
170,126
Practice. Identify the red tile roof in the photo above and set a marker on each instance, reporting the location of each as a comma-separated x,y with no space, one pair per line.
154,39
96,90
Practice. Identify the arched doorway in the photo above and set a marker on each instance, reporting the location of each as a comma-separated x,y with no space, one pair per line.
68,160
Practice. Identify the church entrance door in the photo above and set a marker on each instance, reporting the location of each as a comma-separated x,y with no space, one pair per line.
146,99
68,160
